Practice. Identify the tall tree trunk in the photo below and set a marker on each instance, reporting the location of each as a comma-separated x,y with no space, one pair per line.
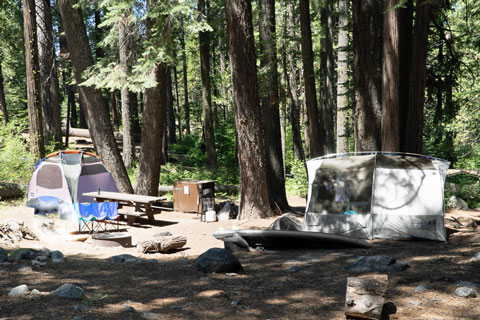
153,128
35,121
342,77
3,103
56,97
315,134
204,41
367,65
185,80
177,100
115,117
270,106
327,69
99,53
405,34
96,108
82,121
172,138
125,56
414,133
50,104
254,202
293,83
450,112
390,80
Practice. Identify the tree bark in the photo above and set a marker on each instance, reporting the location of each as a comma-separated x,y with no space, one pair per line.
185,80
172,138
125,51
405,33
342,78
270,106
153,128
177,100
115,117
96,109
3,103
33,80
390,80
327,69
367,65
293,84
414,124
315,135
204,42
254,202
50,110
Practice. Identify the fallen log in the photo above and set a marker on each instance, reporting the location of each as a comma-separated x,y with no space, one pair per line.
365,296
84,133
454,172
10,190
162,244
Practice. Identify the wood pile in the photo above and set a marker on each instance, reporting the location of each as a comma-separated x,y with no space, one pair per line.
162,244
13,232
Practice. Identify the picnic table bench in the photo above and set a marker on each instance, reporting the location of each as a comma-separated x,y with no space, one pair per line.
136,205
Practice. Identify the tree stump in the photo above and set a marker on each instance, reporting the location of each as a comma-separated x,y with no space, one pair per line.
365,296
162,244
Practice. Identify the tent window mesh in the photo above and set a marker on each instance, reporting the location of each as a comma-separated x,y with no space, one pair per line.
50,177
93,169
343,186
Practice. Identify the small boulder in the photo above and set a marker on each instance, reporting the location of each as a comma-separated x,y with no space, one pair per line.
466,292
217,260
38,263
378,264
68,291
125,258
18,291
56,255
25,269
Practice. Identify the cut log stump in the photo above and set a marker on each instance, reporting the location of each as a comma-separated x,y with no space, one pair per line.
365,296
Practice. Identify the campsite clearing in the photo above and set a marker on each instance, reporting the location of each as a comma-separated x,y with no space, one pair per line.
289,284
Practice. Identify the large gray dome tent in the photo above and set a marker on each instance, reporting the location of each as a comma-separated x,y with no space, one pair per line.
377,195
60,179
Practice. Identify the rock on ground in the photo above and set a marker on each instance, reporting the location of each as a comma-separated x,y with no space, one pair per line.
68,291
377,264
18,291
217,260
466,292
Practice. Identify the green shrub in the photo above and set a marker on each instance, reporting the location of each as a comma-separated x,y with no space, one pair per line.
464,186
297,184
16,163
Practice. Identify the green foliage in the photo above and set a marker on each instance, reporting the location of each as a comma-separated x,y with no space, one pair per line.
464,186
16,163
297,184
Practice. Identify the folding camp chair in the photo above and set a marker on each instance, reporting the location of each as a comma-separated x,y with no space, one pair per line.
95,217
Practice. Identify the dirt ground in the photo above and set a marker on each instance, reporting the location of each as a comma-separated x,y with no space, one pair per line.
268,288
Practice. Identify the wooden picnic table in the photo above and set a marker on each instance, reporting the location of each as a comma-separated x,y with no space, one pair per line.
136,205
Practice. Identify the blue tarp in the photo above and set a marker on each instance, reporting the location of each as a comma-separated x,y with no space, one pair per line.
96,211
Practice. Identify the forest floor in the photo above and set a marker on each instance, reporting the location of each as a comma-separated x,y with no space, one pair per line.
268,288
